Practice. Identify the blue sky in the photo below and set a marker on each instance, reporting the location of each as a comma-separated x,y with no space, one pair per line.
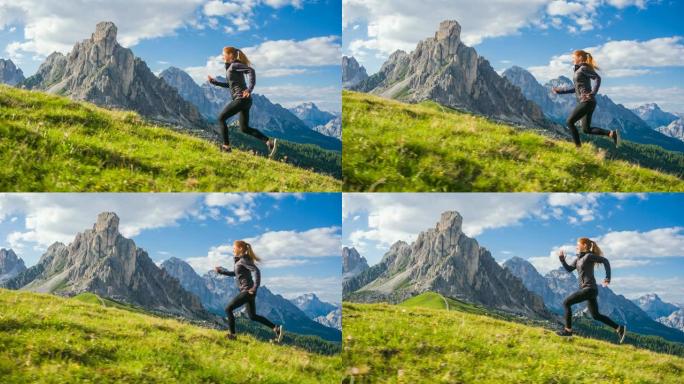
297,235
642,235
640,43
294,44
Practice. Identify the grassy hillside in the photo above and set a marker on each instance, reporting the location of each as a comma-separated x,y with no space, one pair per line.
44,338
392,146
411,343
50,143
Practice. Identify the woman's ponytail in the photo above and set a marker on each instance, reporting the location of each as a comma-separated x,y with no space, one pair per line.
591,246
238,55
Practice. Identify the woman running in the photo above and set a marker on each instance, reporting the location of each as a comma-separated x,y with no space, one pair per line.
585,71
237,66
245,260
589,254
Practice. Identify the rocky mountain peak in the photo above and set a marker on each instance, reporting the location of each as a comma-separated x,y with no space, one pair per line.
105,31
10,264
9,73
448,30
450,220
107,222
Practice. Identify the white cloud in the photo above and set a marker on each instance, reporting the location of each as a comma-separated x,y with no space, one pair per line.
670,289
316,242
57,26
620,58
393,217
54,217
625,248
241,205
278,58
584,205
400,24
277,249
670,99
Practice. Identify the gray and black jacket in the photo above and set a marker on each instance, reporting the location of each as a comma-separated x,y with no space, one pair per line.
584,263
243,269
235,76
582,83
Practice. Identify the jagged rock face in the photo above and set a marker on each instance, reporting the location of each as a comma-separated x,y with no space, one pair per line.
445,70
312,306
560,284
532,280
675,129
272,119
654,306
101,71
607,115
10,265
100,260
352,72
332,128
352,263
444,260
9,73
674,320
215,291
654,116
311,115
332,319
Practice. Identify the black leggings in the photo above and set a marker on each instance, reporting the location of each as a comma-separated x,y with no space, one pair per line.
238,301
589,295
583,111
241,106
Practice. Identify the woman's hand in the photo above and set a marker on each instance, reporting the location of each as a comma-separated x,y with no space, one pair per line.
245,93
606,282
252,291
217,268
211,79
561,255
554,90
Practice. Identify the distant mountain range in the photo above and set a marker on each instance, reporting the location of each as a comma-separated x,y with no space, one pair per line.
608,115
10,265
273,119
444,260
352,263
352,72
9,73
321,312
556,285
214,291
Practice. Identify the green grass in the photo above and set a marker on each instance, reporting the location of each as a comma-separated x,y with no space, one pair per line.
421,342
436,301
393,146
51,143
48,339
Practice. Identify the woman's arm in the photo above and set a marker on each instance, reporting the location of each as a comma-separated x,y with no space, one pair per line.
606,265
568,267
223,271
216,82
561,91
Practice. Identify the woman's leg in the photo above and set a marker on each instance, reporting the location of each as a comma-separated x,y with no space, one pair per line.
574,298
592,305
234,304
586,122
578,113
244,121
228,111
251,312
